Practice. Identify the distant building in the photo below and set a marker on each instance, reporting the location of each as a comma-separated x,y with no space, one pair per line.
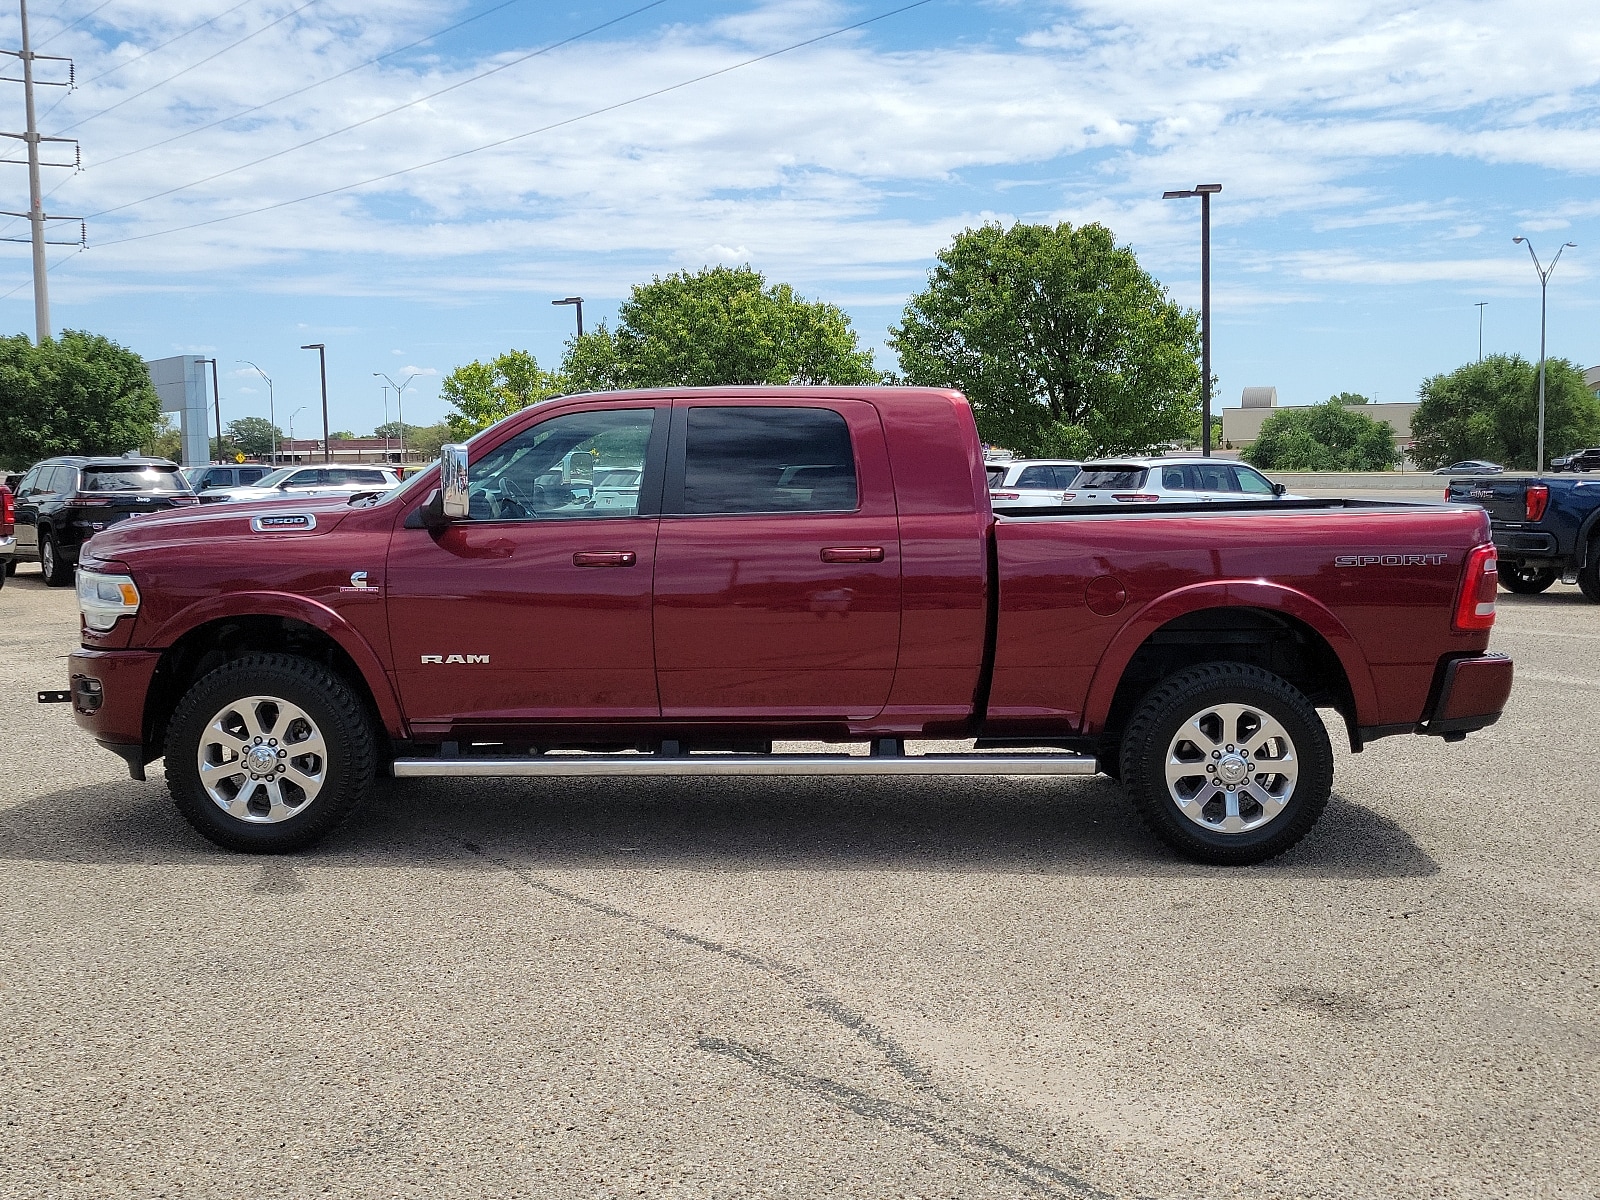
343,450
1242,425
1591,380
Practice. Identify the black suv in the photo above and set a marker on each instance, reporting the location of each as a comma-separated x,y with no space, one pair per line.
63,502
1578,460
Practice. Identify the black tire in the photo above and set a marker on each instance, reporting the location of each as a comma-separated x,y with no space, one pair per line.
56,571
1589,576
330,708
1527,580
1155,728
11,566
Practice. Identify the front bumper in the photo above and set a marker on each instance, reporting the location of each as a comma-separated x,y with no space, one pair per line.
113,713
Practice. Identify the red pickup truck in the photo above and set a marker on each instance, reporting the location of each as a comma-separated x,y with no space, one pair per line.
667,582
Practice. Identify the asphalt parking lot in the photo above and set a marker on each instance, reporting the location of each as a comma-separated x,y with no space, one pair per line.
809,988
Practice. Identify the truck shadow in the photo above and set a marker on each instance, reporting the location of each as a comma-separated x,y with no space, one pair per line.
1081,828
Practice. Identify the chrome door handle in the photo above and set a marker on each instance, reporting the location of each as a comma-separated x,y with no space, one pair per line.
604,558
852,554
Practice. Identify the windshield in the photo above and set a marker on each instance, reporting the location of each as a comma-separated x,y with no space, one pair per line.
1110,477
273,480
132,478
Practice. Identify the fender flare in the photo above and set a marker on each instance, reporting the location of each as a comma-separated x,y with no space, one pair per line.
298,608
1236,593
1586,533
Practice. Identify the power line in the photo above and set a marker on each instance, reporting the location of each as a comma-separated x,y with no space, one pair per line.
811,41
191,66
308,87
74,24
175,38
322,137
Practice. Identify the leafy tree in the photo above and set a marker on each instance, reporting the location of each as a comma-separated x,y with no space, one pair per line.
1323,437
424,440
167,441
1349,398
341,435
719,325
254,435
483,393
76,394
392,429
1490,409
1061,341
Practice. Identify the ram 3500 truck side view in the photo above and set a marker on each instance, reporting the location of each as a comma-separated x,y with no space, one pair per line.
666,583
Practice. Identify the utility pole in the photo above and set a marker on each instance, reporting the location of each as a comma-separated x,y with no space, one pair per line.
400,408
36,215
1205,191
322,359
272,408
1544,283
385,423
1481,305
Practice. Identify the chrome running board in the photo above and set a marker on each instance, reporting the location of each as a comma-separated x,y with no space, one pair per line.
568,765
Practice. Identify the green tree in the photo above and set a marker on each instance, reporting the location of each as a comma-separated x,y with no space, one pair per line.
76,394
1061,341
1323,437
483,393
254,435
1349,398
341,435
392,429
166,442
424,440
719,325
1490,409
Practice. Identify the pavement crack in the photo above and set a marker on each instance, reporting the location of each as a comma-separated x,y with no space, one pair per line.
982,1148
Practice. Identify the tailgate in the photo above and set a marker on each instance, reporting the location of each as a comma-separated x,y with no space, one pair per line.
1504,499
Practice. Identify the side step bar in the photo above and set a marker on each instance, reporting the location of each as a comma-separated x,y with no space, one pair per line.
547,766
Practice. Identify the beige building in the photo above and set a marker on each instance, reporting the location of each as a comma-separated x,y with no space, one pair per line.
1591,379
1242,425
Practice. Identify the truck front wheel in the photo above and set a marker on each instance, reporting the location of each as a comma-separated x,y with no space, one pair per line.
268,753
1227,763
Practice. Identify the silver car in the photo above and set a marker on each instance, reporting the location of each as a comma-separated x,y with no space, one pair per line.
1030,482
1170,481
291,483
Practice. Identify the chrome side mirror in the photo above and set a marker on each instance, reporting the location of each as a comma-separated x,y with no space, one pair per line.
453,481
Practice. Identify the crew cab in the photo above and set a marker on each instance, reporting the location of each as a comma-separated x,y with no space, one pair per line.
1545,529
489,617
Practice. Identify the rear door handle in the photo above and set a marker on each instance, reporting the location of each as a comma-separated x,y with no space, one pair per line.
604,558
849,554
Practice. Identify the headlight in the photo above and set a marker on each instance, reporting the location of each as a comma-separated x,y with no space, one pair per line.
104,598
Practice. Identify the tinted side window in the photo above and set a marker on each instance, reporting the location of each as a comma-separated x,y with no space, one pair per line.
29,481
583,464
372,477
1174,480
1251,482
1208,478
758,460
1121,479
306,479
1037,477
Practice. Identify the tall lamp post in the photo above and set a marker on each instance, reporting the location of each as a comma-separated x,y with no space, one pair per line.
385,423
1544,282
1205,191
400,409
1482,304
292,416
272,407
322,361
577,300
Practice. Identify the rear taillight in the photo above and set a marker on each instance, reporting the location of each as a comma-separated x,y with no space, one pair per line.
82,501
180,501
1479,582
8,513
1537,501
1134,497
1447,492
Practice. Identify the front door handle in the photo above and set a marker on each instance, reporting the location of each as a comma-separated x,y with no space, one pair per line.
604,558
850,554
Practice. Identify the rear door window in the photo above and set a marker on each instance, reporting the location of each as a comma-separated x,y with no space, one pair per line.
374,478
135,477
1037,477
756,459
1208,477
1174,479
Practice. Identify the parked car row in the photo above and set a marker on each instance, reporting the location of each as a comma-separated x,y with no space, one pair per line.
1029,483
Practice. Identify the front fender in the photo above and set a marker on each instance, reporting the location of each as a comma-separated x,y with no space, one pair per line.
1273,597
297,608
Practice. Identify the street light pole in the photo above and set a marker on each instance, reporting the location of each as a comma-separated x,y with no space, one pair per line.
1544,282
272,407
399,407
292,416
385,424
1205,191
575,300
322,361
1482,304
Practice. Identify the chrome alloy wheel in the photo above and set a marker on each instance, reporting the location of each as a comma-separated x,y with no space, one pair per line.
262,760
1231,768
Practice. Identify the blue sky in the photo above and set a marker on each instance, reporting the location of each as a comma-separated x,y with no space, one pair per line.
1376,157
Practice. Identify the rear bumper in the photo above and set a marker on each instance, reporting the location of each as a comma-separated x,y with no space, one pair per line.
1517,545
114,716
1470,694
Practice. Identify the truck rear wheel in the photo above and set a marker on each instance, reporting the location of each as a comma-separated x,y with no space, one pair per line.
1589,577
1527,580
1227,763
56,571
268,753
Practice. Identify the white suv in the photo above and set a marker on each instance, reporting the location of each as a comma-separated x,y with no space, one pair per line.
293,483
1030,482
1170,481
